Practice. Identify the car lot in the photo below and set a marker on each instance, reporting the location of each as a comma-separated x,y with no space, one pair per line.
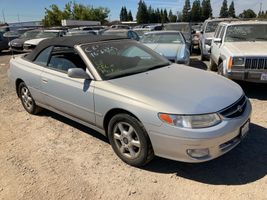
51,157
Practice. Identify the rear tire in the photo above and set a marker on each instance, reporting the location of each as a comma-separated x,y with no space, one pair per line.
27,99
130,140
220,69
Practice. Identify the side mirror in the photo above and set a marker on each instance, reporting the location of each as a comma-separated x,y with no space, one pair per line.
78,73
217,40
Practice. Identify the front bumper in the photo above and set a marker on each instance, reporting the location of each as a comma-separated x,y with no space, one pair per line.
250,76
173,143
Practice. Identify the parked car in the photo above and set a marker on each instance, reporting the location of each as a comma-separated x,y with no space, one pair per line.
207,34
145,105
3,42
29,45
97,29
123,33
170,44
17,44
239,51
141,31
184,27
120,26
78,32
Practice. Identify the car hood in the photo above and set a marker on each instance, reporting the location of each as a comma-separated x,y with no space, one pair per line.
34,41
247,48
178,89
168,50
18,41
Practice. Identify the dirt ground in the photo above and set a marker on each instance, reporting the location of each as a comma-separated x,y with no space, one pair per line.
50,157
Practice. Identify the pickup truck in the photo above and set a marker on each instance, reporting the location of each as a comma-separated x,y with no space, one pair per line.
238,51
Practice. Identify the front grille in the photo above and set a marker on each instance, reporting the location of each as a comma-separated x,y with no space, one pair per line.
256,63
236,109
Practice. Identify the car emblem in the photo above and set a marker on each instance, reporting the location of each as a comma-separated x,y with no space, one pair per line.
239,108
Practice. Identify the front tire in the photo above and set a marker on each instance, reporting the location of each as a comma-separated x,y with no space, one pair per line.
220,69
27,99
213,66
129,140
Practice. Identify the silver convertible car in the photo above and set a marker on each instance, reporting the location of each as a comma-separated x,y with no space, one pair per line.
144,104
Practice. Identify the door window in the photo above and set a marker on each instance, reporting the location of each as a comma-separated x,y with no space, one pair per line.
43,57
64,58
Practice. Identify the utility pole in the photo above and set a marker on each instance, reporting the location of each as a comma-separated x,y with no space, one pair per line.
260,7
3,13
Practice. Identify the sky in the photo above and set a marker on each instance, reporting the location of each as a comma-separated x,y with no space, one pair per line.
33,10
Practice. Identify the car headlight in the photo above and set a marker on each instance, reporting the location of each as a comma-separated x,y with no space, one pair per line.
238,61
191,121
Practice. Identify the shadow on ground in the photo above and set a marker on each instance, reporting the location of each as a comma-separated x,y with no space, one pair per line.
74,124
244,164
254,90
196,63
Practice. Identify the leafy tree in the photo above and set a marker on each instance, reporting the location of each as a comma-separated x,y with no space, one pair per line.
196,11
130,16
142,13
231,11
224,10
186,11
53,15
206,10
248,14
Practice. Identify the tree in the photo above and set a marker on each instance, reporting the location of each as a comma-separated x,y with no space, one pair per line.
165,16
196,11
186,11
172,18
123,14
53,15
231,11
142,13
130,16
206,10
224,10
248,14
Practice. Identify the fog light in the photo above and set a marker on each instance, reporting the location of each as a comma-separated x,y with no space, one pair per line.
198,153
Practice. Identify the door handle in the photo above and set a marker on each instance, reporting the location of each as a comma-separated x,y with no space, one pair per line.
44,80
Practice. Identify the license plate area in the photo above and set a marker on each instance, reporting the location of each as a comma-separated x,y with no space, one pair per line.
264,77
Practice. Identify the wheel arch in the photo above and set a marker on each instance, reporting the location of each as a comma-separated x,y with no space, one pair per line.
111,113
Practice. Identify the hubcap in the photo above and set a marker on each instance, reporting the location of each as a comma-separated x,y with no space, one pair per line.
126,140
26,98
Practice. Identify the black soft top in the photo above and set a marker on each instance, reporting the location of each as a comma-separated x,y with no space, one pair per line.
69,41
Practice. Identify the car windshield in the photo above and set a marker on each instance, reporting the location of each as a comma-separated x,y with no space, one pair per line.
45,34
163,38
211,26
246,32
116,59
30,34
177,27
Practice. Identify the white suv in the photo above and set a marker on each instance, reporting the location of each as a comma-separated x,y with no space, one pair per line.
207,34
238,51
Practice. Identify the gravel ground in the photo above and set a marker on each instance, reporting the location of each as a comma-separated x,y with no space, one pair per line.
50,157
